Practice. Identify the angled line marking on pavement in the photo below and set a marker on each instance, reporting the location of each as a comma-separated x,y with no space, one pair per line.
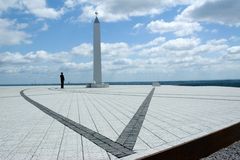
100,140
130,133
126,141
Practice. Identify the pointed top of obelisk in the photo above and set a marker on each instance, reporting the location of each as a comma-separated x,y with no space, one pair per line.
96,19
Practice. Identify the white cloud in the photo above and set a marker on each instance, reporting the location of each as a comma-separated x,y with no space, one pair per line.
179,28
219,11
26,69
138,26
181,44
109,50
38,8
234,50
115,50
44,27
212,46
161,47
112,10
161,56
88,14
44,56
73,66
234,58
9,58
84,49
123,61
33,62
4,5
181,47
21,26
120,60
70,3
38,57
120,65
233,54
73,3
155,42
11,32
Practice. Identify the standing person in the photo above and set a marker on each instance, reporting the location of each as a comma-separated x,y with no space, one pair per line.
62,80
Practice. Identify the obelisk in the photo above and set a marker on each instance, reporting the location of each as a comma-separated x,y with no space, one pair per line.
97,67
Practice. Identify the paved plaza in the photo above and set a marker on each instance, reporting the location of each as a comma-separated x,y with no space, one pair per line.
81,123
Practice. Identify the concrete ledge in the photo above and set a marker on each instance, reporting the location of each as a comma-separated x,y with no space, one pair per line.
94,85
200,147
155,84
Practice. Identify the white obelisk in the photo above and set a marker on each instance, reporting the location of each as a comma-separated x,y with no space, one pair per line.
97,68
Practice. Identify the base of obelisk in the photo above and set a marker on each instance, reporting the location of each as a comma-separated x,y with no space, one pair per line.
96,85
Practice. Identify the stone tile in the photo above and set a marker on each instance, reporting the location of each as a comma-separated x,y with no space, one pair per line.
176,115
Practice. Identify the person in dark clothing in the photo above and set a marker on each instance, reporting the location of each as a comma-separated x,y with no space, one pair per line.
62,80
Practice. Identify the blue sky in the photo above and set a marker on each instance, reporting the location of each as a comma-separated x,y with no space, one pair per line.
142,40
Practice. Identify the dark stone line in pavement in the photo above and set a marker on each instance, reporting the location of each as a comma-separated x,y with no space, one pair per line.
107,144
126,141
129,135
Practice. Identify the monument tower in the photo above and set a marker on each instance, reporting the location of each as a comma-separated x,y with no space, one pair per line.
97,66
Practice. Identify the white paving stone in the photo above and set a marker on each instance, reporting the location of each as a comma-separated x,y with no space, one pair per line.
176,115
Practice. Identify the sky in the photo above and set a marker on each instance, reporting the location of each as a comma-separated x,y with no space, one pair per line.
142,40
